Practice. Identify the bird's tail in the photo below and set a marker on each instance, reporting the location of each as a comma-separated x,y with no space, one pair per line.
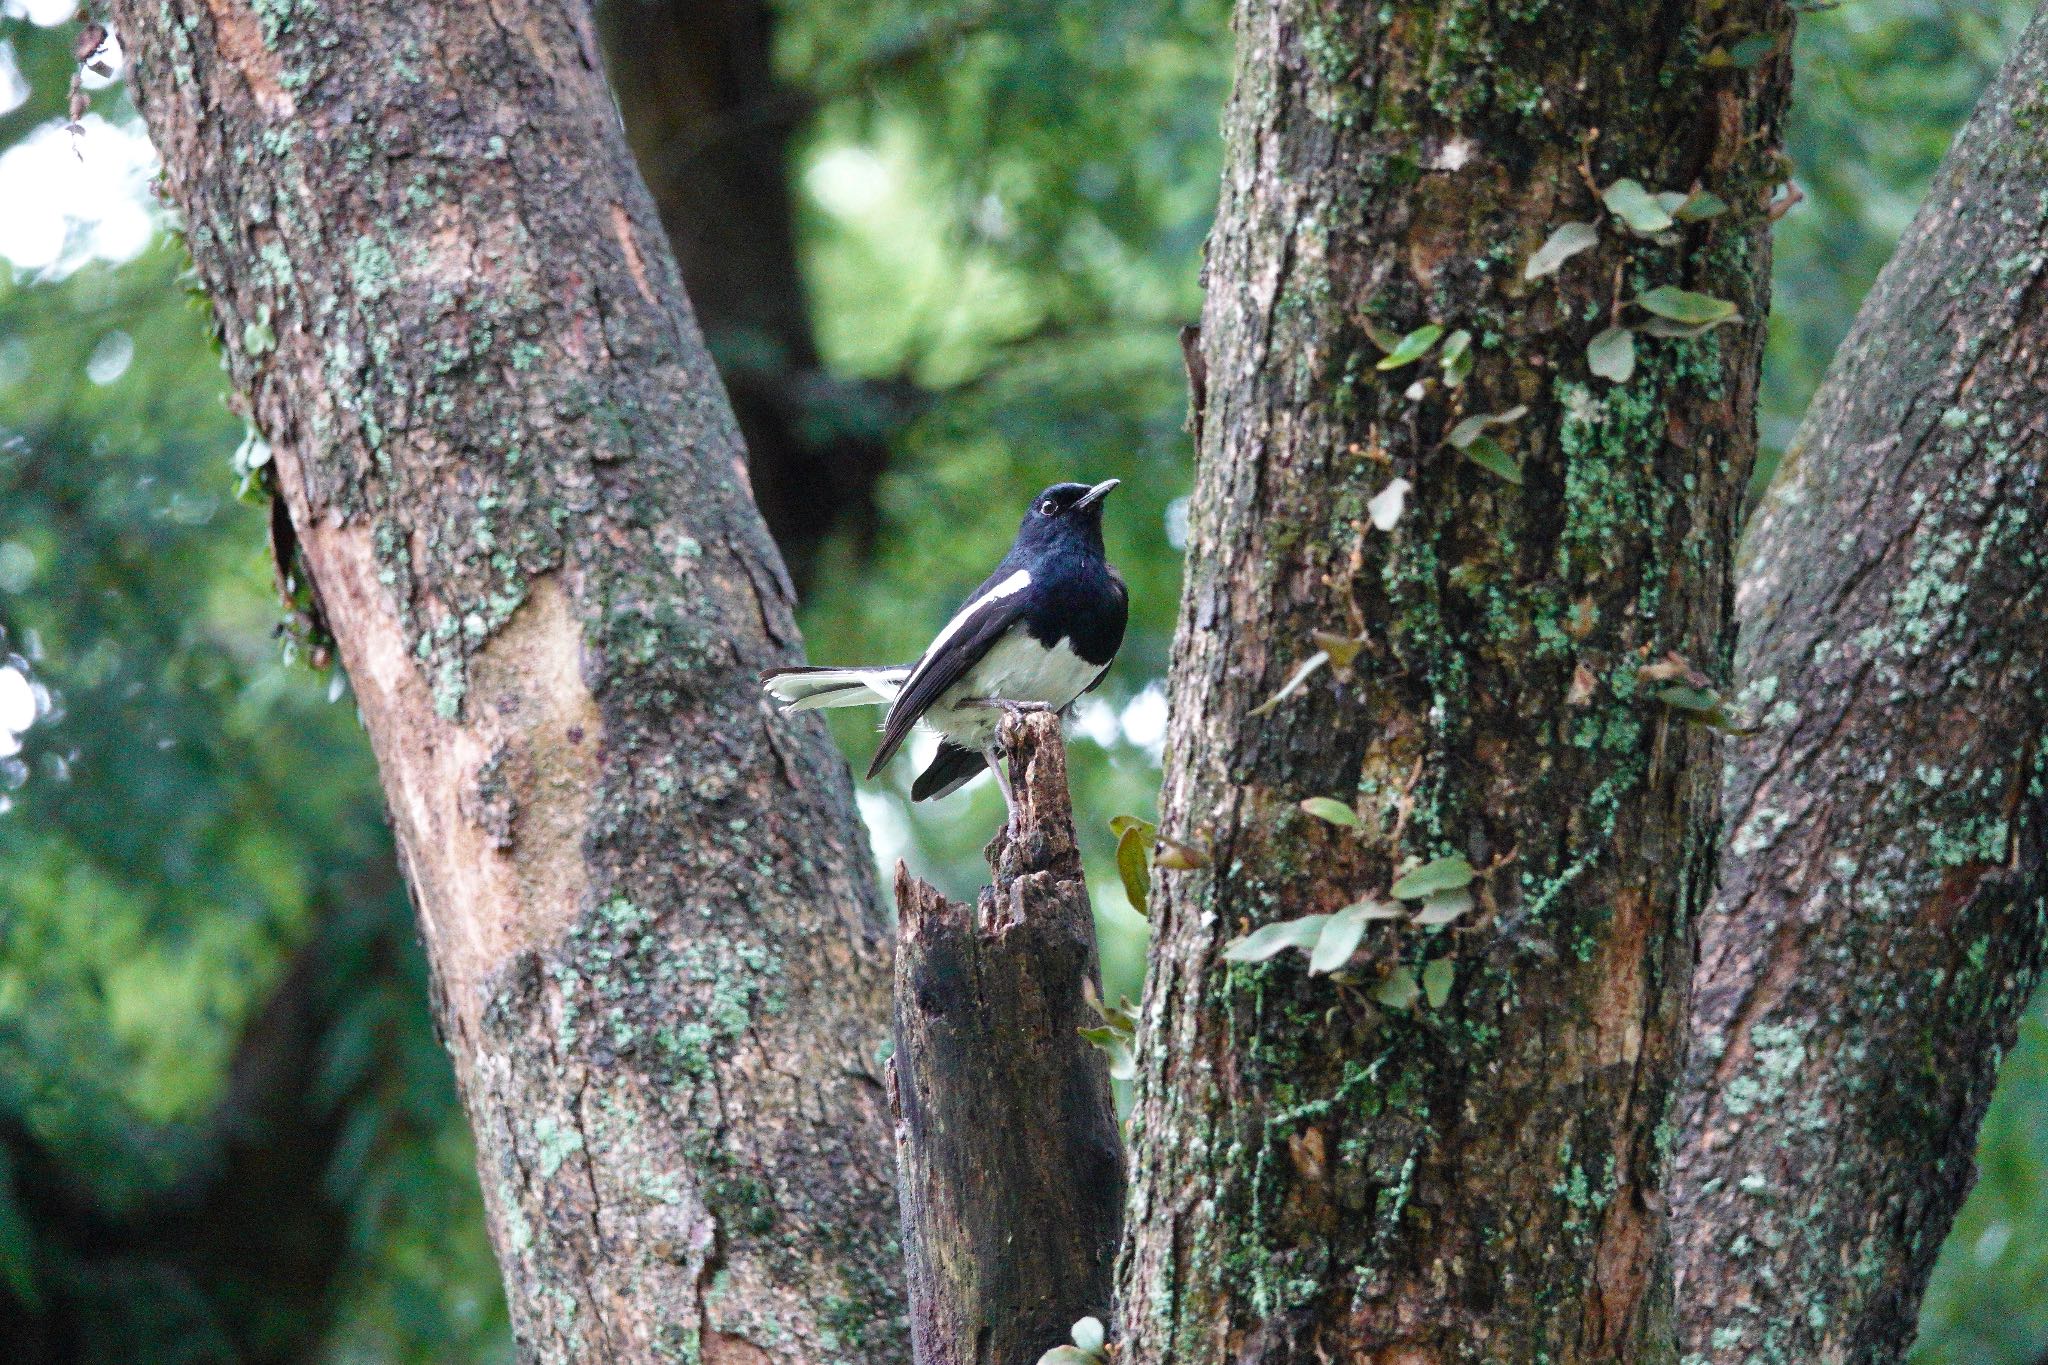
813,689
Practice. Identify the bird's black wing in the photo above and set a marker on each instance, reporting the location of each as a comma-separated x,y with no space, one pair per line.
995,607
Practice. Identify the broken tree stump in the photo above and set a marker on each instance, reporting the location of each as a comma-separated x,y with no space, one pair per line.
1009,1160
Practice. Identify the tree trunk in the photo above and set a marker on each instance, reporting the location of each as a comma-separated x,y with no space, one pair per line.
711,127
1011,1166
1455,1154
1879,929
520,496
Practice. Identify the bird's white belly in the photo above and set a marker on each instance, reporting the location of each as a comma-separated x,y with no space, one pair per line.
1016,668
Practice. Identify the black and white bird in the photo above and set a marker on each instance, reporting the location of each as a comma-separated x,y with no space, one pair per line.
1041,629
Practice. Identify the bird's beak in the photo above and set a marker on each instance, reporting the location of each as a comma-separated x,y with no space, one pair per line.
1095,494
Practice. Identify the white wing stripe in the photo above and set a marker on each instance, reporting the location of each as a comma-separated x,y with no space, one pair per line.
1009,587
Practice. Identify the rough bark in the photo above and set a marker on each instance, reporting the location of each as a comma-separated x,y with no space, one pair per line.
712,127
522,501
1010,1165
1322,1176
1879,928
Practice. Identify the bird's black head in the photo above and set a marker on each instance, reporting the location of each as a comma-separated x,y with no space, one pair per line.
1067,512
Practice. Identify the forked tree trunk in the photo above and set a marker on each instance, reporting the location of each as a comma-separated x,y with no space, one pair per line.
1879,929
1340,1170
517,487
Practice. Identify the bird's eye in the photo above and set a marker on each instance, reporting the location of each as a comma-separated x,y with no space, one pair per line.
1047,508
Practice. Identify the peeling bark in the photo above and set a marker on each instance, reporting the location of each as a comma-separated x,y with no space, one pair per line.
1323,1175
1879,930
517,486
1010,1163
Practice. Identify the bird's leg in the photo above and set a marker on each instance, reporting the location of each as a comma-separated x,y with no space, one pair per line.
999,764
998,761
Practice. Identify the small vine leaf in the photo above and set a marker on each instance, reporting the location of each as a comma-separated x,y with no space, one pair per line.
1612,355
1329,809
1438,874
1438,975
1751,51
1386,506
1293,683
1636,206
1486,452
1412,347
1699,206
1565,242
1119,823
1687,698
1175,856
1069,1355
1669,200
1442,907
1686,308
1456,358
1088,1335
1665,327
1271,940
1400,990
1380,336
1339,939
1468,431
1134,865
1342,649
1123,1062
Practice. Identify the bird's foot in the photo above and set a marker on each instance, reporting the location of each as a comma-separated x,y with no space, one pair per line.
1008,707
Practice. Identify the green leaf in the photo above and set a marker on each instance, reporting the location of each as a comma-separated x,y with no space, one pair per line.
1123,1062
1438,874
1688,698
1467,431
1330,809
1119,823
1293,683
1456,358
1069,1355
1751,51
1400,990
1273,939
1437,977
1636,206
1685,307
1342,649
1134,865
1699,206
1486,452
1612,355
1175,856
1338,940
1565,242
1412,347
1441,907
1088,1335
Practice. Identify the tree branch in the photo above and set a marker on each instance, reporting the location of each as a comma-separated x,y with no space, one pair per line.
1879,927
1010,1167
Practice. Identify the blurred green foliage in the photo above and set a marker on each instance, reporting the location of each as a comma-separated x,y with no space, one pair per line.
213,1028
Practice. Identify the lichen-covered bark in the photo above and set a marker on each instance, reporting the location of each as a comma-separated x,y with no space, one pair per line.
711,127
1010,1165
519,493
1879,928
1322,1176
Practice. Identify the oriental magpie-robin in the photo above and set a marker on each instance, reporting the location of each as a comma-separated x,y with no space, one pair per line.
1041,629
